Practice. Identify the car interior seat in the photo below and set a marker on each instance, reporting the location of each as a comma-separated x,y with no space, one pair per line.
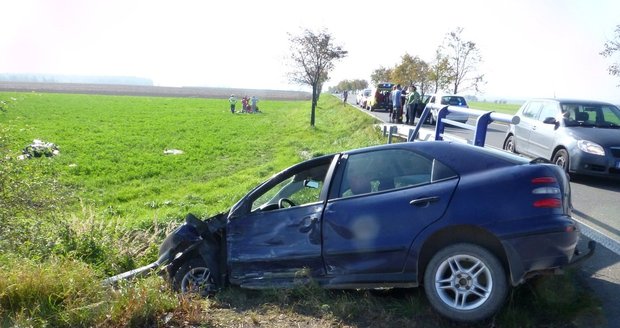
386,184
582,116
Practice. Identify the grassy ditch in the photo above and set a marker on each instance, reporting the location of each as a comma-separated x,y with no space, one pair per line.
103,205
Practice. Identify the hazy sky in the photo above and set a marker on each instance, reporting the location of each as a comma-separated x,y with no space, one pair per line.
530,48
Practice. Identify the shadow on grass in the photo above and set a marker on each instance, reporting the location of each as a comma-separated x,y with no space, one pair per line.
548,301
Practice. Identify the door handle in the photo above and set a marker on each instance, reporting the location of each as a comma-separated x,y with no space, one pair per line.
424,201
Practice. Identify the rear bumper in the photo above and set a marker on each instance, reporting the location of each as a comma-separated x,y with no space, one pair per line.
541,253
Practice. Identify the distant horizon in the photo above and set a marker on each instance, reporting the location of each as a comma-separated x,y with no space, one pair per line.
118,80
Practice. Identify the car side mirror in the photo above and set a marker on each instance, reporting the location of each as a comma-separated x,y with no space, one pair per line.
550,120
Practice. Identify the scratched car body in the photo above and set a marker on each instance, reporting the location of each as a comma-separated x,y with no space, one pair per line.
465,222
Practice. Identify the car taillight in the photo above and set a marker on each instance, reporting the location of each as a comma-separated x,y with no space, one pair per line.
547,187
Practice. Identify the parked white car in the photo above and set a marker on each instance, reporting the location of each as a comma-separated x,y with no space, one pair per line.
362,97
438,101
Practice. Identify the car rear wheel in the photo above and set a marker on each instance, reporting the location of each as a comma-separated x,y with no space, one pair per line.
560,158
509,144
194,276
465,282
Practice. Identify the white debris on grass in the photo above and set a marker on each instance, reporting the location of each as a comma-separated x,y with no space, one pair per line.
39,148
172,152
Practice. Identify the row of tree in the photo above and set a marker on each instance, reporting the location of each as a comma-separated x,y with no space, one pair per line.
313,56
453,69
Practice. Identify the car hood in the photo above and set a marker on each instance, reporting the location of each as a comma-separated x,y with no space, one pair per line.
602,136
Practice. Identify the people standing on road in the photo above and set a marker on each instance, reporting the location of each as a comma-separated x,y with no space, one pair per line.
345,95
413,102
233,102
253,101
396,104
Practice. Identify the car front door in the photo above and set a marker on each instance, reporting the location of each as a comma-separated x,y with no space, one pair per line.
275,233
384,200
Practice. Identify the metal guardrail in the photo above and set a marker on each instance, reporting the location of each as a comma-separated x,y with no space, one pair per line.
480,128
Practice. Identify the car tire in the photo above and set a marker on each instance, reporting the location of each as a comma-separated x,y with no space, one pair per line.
509,144
194,276
561,159
465,282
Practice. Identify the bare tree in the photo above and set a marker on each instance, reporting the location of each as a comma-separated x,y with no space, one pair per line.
313,55
613,47
463,58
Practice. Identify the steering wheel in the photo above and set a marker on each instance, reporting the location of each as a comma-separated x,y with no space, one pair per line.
282,201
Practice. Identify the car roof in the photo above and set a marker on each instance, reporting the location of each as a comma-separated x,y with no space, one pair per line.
446,95
449,152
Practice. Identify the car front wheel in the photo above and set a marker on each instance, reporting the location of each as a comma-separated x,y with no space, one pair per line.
465,282
561,158
194,277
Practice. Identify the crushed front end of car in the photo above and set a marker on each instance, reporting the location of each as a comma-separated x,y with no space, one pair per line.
183,242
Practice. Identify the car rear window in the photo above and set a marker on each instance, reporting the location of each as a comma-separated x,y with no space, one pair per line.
453,101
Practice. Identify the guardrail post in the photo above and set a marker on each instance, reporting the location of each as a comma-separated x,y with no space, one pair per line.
391,133
421,121
440,126
480,134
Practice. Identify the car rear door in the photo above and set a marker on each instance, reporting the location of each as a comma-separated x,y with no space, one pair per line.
370,230
528,120
542,135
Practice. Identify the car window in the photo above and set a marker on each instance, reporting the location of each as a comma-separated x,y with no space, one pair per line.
591,115
532,109
389,169
301,187
453,101
611,115
548,109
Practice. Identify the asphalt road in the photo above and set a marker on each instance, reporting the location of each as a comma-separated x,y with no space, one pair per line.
596,205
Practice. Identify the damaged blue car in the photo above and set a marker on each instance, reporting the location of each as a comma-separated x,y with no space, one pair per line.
464,222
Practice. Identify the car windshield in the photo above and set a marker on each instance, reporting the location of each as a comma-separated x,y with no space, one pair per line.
591,115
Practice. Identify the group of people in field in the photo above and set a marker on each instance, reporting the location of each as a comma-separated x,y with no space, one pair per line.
249,104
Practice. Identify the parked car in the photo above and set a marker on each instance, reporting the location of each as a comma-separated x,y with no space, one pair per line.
438,101
362,97
581,136
465,222
380,97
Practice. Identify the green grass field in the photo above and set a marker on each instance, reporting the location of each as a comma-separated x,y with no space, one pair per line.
112,148
500,108
104,204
